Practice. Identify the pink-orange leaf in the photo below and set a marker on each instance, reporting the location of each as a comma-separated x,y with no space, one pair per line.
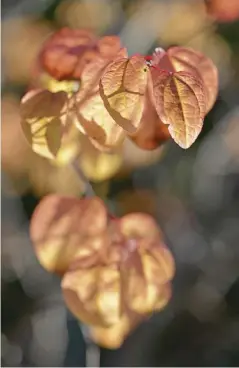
180,102
188,60
67,51
223,10
122,89
151,132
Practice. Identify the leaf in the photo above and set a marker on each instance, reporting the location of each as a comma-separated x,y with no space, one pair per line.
98,124
147,264
53,136
222,10
53,85
92,117
41,79
60,227
98,166
180,102
42,121
67,51
159,264
79,289
70,146
186,59
151,132
109,46
93,71
122,89
113,337
42,104
163,297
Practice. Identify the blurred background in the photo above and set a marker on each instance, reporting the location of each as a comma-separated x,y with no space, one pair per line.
193,194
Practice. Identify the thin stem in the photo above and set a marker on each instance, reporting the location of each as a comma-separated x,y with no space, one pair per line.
89,190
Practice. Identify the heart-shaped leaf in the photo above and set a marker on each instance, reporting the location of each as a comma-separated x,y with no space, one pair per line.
188,60
180,102
60,227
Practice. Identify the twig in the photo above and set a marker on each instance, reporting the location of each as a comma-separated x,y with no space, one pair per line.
89,190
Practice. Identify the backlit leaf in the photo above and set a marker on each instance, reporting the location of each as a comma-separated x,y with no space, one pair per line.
53,136
93,118
93,294
113,337
42,104
60,227
122,89
42,118
147,266
98,166
98,124
188,60
70,146
180,102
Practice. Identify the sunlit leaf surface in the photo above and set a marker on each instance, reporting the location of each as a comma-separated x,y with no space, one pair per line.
180,102
60,227
113,337
98,166
128,275
92,117
42,115
198,65
122,88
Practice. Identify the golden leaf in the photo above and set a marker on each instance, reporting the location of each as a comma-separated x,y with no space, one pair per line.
122,89
93,294
98,166
113,337
92,118
60,227
41,120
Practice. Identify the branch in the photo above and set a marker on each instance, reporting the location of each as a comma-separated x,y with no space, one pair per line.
89,190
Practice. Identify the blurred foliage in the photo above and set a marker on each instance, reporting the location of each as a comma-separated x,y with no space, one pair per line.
193,194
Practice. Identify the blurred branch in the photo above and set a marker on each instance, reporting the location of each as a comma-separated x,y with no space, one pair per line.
89,190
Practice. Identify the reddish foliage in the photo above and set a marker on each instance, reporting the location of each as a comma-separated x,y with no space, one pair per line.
223,10
67,51
149,98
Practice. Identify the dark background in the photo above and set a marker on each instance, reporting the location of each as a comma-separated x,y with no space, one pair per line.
194,195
